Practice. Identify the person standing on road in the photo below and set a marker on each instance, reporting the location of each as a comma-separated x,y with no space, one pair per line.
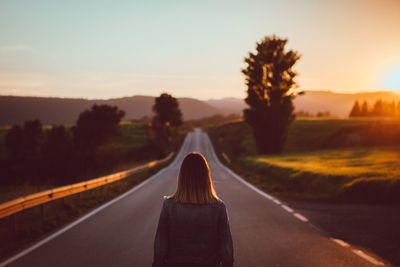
193,228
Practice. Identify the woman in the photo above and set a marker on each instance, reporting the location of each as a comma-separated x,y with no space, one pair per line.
193,229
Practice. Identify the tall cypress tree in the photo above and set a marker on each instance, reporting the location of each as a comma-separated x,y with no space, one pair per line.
355,111
364,109
270,83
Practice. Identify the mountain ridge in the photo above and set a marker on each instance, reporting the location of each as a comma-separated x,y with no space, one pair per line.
56,110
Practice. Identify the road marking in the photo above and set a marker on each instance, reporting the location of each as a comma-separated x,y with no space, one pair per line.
276,201
367,257
83,218
297,215
226,157
240,179
287,208
300,217
340,242
71,225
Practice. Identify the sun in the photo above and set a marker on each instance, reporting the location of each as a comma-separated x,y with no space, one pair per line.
392,80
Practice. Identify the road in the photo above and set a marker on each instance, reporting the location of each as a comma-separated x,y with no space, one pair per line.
120,233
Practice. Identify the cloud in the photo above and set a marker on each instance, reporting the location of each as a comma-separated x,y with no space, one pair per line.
15,48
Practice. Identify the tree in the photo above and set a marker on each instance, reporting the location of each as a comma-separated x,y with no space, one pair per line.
57,152
270,91
364,109
377,110
32,138
15,143
355,111
24,142
392,109
167,119
96,126
166,109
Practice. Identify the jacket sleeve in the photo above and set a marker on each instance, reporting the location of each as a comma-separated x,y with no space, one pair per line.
225,239
161,239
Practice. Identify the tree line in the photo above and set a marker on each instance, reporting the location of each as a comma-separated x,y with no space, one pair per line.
59,154
378,109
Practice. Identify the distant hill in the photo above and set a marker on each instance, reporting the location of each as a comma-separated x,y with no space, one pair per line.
15,109
315,101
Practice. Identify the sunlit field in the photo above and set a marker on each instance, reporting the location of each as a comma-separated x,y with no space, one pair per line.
309,134
337,171
308,170
355,162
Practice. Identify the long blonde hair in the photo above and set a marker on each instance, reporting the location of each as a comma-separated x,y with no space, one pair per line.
194,181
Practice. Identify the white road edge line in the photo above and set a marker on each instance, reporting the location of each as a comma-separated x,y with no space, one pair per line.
340,242
81,219
297,215
300,217
240,179
276,201
287,208
367,257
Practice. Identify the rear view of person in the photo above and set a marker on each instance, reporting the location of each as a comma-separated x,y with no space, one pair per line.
193,228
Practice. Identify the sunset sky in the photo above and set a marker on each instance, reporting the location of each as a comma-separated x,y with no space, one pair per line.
109,49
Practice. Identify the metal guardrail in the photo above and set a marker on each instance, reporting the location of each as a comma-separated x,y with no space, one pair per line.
22,203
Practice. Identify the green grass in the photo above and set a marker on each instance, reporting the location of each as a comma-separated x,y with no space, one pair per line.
350,162
134,135
367,174
305,170
309,134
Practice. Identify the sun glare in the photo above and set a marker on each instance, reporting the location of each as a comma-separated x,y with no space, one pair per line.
392,80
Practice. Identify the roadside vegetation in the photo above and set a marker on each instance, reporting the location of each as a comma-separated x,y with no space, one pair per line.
35,157
329,159
133,142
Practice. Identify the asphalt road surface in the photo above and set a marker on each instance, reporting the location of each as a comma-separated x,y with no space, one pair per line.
120,233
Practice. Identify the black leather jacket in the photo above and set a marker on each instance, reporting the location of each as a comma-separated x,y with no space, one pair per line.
193,235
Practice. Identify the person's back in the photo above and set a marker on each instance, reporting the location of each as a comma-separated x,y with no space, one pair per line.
193,230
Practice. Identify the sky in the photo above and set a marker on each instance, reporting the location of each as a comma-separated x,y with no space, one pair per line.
110,49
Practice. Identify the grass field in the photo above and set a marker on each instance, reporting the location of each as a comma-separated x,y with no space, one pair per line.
306,170
309,134
365,174
134,135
